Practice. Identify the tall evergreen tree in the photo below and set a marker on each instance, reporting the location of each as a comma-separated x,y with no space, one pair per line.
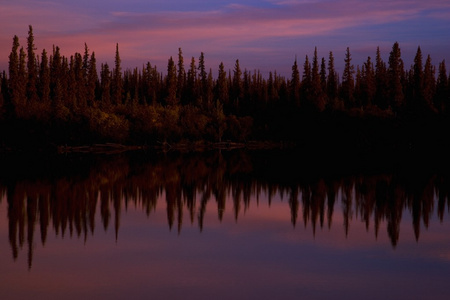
237,87
323,75
181,76
191,83
117,82
395,71
222,86
305,89
14,80
332,80
92,81
171,83
368,87
203,76
442,97
294,88
380,81
44,78
348,82
105,86
56,76
316,95
429,82
31,68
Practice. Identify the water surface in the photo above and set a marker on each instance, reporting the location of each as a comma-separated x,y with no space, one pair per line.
221,225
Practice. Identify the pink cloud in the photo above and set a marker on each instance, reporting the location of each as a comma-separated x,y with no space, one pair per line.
232,30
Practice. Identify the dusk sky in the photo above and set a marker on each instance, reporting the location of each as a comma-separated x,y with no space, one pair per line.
265,35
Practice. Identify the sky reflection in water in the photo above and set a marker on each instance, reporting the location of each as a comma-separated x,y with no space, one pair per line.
208,227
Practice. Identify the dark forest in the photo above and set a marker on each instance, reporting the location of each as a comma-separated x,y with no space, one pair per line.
49,100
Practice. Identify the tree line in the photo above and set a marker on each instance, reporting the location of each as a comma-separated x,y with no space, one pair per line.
71,100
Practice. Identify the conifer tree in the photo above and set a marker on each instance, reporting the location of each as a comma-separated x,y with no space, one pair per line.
348,82
44,78
92,81
395,71
105,86
22,84
429,82
203,76
237,86
181,79
294,88
272,89
381,81
171,84
209,96
305,89
56,76
72,84
442,96
80,81
222,86
368,84
117,82
417,86
14,79
31,68
323,75
332,80
191,83
316,95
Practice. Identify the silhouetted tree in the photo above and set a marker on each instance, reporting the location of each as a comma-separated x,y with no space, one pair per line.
348,82
31,68
395,70
380,81
117,83
294,88
171,84
332,80
442,97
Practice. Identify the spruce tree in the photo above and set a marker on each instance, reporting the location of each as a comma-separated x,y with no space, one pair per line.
105,86
316,95
380,81
348,82
222,86
368,87
305,89
294,88
395,71
203,76
92,81
181,76
56,77
332,80
429,82
237,86
191,84
117,82
14,80
171,83
44,78
323,75
442,96
31,68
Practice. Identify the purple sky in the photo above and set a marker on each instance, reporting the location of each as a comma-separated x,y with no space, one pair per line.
265,35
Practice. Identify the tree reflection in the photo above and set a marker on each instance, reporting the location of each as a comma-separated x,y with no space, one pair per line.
64,193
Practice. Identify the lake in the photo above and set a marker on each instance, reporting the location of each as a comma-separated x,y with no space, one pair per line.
223,225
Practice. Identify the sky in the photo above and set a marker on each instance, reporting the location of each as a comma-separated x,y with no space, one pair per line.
266,35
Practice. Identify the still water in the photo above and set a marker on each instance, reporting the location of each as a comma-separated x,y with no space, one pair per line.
221,225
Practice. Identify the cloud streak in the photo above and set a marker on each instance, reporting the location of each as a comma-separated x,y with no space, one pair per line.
226,29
